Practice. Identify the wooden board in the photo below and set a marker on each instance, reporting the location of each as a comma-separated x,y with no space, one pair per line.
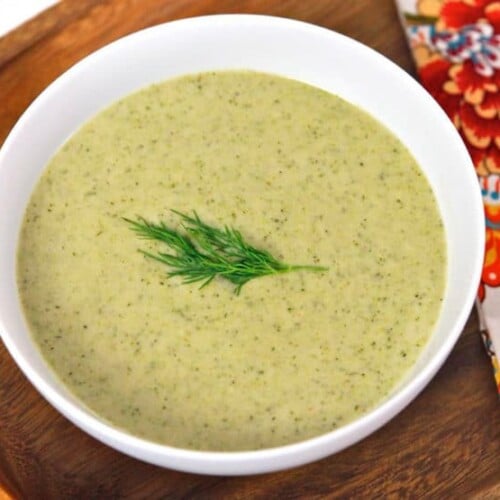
445,444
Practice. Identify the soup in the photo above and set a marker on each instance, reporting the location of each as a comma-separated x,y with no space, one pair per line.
300,173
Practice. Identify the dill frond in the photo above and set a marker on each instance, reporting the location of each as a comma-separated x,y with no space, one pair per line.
205,252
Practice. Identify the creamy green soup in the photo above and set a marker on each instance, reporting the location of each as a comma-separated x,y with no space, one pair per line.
302,174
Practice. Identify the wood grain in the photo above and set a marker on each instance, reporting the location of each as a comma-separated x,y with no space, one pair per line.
446,444
47,22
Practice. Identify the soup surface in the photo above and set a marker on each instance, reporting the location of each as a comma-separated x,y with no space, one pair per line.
302,174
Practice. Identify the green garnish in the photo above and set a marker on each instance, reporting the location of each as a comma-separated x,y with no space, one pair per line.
203,252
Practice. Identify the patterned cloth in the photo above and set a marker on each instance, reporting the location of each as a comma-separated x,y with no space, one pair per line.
456,47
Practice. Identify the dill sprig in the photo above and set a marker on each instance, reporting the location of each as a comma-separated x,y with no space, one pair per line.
203,252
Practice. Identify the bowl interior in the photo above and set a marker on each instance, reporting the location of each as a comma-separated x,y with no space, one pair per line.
288,48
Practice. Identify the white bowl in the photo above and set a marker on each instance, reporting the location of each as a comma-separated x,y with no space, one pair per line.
281,46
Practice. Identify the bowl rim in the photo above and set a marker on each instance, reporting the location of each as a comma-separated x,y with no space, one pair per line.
269,459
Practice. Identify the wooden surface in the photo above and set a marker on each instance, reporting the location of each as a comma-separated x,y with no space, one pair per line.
446,444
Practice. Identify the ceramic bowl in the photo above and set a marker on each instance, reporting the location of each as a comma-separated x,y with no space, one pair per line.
293,49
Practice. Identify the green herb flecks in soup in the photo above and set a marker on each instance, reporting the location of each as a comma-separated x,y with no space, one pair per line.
300,173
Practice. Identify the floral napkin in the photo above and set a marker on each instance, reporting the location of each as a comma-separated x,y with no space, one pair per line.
456,47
